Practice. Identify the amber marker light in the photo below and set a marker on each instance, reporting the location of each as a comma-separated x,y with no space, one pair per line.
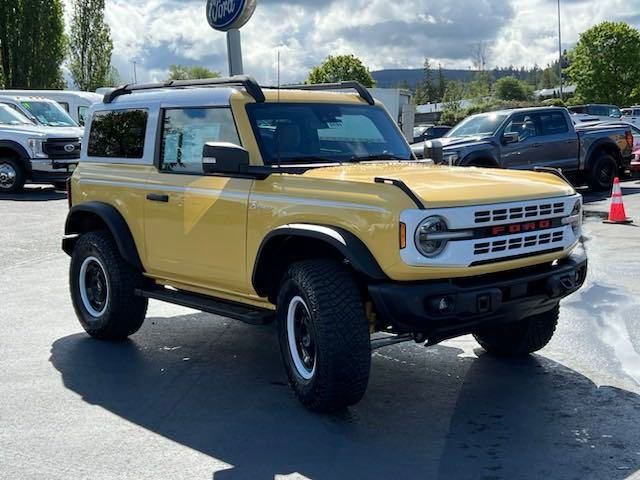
403,236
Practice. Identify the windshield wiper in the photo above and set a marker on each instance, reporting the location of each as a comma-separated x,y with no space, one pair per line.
377,156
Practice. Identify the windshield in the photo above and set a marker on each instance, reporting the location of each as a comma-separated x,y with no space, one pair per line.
8,116
49,113
325,133
478,126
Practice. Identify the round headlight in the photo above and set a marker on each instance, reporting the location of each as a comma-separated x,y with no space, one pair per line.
426,238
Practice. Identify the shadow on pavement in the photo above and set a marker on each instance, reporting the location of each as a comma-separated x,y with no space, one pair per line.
219,388
34,194
628,188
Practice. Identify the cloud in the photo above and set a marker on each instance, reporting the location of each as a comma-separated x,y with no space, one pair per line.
157,33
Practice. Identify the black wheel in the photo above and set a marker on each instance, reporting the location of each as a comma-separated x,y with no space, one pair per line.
12,175
324,335
520,338
603,172
102,289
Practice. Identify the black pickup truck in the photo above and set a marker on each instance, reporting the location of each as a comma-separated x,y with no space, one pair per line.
527,138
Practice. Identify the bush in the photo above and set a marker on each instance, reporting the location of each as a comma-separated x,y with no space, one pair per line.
510,88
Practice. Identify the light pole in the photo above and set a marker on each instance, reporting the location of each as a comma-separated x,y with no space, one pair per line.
135,73
559,51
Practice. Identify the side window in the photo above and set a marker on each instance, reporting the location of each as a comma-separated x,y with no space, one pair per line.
614,112
82,114
186,130
524,125
553,123
64,105
118,134
599,110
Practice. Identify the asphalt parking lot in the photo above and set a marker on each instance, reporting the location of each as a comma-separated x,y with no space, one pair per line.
192,396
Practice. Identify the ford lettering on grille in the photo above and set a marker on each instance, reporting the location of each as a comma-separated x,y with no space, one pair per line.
521,227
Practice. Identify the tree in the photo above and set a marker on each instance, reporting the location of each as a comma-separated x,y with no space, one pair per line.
90,45
426,91
510,88
453,111
32,43
341,68
605,64
114,79
184,72
442,83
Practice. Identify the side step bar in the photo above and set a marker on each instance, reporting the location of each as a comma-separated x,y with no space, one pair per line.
216,306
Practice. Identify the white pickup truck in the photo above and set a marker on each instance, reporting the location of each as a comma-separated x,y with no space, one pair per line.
34,153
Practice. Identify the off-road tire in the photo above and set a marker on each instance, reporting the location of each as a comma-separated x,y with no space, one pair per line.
520,338
21,176
340,330
124,311
602,173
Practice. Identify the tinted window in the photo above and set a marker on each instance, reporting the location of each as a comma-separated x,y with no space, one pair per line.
325,133
118,134
553,123
522,124
185,131
599,110
580,109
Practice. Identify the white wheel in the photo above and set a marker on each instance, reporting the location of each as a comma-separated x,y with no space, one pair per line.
302,345
94,287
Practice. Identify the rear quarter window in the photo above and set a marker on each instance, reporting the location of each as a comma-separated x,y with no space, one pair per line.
118,134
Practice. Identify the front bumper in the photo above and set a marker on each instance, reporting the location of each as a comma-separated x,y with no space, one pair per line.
47,170
450,308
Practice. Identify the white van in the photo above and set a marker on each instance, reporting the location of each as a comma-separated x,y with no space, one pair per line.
76,103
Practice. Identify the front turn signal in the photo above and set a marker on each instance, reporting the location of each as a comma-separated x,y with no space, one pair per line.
403,236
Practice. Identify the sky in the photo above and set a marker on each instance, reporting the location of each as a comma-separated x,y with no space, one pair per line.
384,34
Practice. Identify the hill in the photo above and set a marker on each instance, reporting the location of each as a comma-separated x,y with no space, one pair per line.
397,77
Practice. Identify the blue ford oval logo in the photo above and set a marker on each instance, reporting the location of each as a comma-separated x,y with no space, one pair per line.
227,14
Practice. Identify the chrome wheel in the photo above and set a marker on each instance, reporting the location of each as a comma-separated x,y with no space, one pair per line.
8,176
94,287
302,345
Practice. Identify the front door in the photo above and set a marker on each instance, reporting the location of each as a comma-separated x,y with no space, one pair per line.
521,154
195,225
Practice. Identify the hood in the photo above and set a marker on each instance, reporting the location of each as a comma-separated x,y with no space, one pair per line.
39,131
440,186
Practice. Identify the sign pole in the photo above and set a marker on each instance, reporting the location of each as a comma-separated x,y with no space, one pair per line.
234,52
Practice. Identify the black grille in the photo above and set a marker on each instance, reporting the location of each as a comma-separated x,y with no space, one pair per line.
62,148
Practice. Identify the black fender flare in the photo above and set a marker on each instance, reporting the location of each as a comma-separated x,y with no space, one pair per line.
341,240
595,146
82,219
479,155
19,150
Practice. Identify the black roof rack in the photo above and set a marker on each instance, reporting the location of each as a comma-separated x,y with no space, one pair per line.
249,84
357,86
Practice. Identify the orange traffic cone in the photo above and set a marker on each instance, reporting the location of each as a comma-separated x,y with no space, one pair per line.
616,212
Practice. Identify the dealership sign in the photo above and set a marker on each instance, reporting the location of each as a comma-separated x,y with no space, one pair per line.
225,15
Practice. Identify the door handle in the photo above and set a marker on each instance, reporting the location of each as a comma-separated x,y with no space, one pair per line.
158,197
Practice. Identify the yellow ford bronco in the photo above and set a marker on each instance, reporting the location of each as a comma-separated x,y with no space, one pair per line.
307,207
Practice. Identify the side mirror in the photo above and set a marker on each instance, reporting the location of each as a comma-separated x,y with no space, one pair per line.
433,151
510,137
224,158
